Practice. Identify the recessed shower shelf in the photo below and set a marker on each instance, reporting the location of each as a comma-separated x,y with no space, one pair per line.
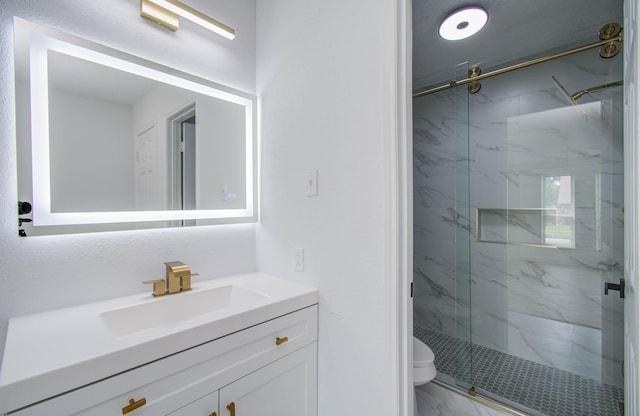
514,226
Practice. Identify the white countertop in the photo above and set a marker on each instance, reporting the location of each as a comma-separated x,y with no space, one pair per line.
50,353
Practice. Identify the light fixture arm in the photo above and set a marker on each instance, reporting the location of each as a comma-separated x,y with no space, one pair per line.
166,13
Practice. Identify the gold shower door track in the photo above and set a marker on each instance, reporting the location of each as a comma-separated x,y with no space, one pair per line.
500,71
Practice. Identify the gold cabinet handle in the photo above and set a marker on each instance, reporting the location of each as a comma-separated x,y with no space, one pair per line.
281,340
213,414
232,409
133,405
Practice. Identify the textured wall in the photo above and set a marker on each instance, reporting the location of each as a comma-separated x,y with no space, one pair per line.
40,273
323,71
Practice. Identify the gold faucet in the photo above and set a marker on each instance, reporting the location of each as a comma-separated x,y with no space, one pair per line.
178,279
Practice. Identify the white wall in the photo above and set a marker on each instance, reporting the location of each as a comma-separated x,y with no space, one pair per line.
82,141
325,70
632,208
40,273
91,153
220,125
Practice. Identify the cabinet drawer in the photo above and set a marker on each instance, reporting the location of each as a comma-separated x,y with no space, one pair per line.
179,379
284,387
204,406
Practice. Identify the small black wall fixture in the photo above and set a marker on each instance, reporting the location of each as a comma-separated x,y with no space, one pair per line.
615,286
23,208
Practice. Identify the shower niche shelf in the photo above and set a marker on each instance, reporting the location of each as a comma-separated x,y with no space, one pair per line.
514,226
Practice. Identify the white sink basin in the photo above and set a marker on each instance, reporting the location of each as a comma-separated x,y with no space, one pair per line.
171,310
91,342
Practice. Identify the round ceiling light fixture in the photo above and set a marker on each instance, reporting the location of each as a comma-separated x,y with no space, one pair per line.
463,23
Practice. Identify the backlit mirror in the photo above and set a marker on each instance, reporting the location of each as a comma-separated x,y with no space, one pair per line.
104,137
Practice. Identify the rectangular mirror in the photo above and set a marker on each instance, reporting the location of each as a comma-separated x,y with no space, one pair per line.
106,138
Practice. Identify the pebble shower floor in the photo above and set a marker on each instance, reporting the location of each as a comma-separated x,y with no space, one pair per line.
542,389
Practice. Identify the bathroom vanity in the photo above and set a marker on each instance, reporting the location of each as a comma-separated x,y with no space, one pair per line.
241,345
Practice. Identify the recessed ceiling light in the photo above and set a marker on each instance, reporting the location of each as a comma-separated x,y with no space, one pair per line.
463,23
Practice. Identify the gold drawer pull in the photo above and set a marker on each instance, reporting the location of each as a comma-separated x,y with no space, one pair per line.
281,340
133,405
232,408
213,414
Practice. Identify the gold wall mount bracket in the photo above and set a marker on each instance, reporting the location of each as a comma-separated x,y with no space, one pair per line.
614,32
159,15
474,86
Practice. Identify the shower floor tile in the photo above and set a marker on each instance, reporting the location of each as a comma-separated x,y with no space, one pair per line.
536,388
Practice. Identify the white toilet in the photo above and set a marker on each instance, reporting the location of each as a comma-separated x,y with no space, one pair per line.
424,369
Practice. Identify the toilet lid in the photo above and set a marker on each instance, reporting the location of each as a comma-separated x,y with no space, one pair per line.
422,354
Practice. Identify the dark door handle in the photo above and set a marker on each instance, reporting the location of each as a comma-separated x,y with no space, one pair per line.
615,286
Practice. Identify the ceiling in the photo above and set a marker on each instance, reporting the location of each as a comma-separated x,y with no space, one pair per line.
79,76
515,28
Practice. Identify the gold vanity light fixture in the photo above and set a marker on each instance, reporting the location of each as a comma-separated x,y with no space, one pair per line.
463,23
167,13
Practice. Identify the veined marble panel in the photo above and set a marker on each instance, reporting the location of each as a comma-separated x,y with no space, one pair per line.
434,282
434,191
441,223
558,292
489,188
434,400
568,347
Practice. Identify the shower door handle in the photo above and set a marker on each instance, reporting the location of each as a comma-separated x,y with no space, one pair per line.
615,286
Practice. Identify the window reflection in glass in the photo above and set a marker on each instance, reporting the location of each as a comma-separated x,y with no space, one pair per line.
559,223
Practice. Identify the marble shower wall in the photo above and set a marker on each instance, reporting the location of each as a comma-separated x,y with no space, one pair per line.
520,129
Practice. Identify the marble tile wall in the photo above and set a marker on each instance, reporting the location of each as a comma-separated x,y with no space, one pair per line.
434,400
521,128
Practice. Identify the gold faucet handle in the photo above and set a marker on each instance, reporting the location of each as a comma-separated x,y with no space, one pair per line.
186,280
158,286
176,270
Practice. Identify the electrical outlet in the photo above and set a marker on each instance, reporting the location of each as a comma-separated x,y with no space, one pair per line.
311,182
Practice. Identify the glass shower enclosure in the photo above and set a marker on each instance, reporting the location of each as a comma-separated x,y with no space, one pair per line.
518,229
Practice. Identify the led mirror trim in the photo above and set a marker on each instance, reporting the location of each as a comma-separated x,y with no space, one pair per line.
463,23
39,44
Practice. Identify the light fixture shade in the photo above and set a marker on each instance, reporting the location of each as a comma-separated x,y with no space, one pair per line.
463,23
180,9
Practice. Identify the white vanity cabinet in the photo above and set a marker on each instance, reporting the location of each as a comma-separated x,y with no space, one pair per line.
281,388
267,369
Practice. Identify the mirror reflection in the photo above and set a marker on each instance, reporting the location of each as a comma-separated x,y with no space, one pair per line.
122,142
105,137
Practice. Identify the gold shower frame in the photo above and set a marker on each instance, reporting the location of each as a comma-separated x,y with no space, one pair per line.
611,36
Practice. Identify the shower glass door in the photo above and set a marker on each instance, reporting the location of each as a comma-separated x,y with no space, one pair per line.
546,190
518,217
442,229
